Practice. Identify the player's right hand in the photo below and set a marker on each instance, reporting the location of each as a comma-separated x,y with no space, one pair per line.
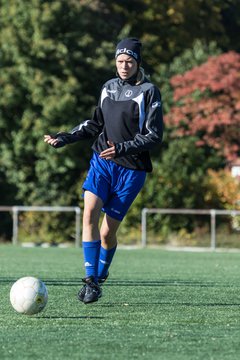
51,140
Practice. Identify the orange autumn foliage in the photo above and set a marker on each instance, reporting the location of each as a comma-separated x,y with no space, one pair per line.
207,104
223,187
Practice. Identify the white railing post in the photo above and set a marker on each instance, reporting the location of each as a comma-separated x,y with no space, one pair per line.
78,227
213,229
15,210
15,225
144,227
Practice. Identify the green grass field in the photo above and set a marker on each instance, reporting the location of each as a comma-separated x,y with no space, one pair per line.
156,305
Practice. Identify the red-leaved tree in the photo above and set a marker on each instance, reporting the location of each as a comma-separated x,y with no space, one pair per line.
207,104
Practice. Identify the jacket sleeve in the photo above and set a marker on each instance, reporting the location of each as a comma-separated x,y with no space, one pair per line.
86,130
151,132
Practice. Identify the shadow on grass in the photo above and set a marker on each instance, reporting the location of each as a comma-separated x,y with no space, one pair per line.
70,317
134,283
117,282
174,304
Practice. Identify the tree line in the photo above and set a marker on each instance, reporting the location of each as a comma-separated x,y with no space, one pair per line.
54,58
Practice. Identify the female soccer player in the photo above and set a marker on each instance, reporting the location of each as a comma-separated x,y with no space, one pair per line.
128,123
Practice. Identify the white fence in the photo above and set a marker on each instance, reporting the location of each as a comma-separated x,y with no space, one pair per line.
212,213
16,209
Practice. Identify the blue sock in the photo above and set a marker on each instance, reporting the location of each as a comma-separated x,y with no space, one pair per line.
91,250
105,259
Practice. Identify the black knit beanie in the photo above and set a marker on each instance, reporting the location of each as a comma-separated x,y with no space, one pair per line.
131,47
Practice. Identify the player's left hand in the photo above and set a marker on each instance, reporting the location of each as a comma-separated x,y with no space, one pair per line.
109,153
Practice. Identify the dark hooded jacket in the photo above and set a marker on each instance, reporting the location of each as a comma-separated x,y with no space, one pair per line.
128,115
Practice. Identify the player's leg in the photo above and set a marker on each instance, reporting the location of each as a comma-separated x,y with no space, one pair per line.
97,187
91,247
126,186
108,232
91,214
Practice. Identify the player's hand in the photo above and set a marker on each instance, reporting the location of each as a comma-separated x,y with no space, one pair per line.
109,153
50,140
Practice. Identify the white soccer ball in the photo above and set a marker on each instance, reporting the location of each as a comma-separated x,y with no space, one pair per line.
28,295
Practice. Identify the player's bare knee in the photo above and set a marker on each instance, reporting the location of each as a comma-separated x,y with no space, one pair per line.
108,238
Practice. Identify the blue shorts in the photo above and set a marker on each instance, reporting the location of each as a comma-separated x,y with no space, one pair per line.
115,185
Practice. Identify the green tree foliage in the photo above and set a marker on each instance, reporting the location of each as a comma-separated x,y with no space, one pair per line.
47,51
191,57
178,181
168,27
50,74
55,56
8,193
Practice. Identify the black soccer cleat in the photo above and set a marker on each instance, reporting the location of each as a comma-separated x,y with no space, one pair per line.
82,292
90,292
